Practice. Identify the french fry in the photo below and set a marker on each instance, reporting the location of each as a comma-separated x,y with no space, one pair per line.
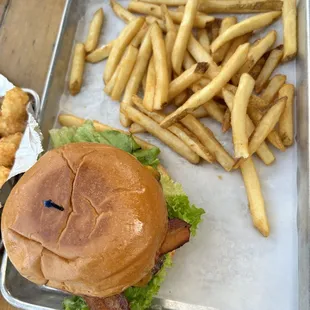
186,136
183,35
201,55
136,128
289,29
263,151
255,53
208,92
266,125
248,25
286,124
94,31
121,12
215,29
187,78
227,22
120,45
239,6
170,38
238,115
255,71
255,197
273,137
203,39
214,111
181,98
273,87
100,53
136,41
162,134
188,60
70,120
226,124
271,63
110,85
235,43
77,69
161,68
136,76
151,20
166,2
199,20
126,66
200,112
149,94
207,138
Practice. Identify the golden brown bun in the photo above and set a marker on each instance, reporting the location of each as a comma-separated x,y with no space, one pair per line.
106,239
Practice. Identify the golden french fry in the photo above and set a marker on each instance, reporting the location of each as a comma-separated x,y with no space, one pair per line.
273,87
246,26
183,35
161,68
235,43
203,39
77,69
227,22
286,123
186,136
208,92
94,31
273,137
100,53
255,71
238,115
199,20
200,112
188,60
214,111
120,45
136,41
255,197
266,125
289,29
201,55
270,65
263,151
162,134
255,53
170,38
136,128
136,76
215,29
151,20
126,66
70,120
186,79
181,98
149,93
207,138
226,124
121,12
110,85
239,6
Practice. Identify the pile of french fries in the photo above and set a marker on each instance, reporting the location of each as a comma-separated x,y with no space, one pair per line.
201,66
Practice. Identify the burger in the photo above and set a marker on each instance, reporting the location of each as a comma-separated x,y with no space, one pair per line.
96,217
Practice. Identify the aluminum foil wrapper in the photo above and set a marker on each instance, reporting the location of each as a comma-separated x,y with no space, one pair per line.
31,143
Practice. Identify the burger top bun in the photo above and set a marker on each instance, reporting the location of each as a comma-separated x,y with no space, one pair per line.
108,235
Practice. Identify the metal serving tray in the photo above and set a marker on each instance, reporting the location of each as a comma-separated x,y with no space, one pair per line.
25,295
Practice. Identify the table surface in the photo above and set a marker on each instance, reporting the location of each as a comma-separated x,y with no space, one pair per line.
27,35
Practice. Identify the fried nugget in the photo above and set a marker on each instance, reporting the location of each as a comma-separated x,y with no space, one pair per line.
4,173
9,127
8,148
14,105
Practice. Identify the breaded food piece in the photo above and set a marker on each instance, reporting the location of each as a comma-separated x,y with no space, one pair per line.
8,148
4,173
14,105
13,112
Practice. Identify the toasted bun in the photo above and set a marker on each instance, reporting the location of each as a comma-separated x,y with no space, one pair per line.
106,239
